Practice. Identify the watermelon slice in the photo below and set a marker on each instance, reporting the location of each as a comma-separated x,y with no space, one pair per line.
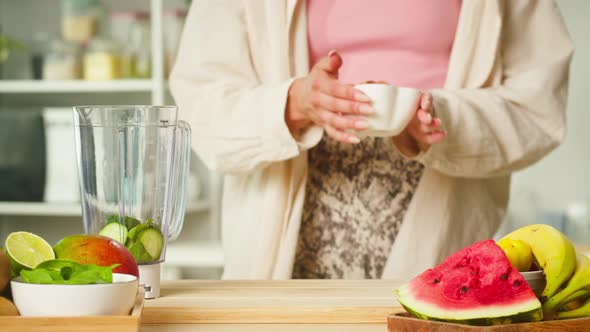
475,286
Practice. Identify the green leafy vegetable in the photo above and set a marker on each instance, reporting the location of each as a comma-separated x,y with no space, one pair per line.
65,272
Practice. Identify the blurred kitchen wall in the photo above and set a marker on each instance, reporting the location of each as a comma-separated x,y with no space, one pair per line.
557,189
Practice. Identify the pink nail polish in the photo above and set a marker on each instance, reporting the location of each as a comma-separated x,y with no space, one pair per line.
361,124
359,96
332,52
366,109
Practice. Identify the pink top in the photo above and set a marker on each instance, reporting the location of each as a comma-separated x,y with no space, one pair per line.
388,40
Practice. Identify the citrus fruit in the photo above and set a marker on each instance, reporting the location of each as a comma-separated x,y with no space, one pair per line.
27,250
518,252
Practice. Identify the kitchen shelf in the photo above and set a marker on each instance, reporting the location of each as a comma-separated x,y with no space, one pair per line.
74,86
39,209
203,255
68,209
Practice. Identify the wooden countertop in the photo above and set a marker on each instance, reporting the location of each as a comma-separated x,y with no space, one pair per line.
294,303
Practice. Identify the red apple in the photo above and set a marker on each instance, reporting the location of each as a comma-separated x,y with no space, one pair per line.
97,250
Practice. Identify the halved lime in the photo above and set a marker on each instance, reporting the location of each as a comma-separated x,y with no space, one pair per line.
27,250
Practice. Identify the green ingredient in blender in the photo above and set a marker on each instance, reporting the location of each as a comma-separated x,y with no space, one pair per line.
144,240
115,231
153,242
66,272
129,221
139,253
134,232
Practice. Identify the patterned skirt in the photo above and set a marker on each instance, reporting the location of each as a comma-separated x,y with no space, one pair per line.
356,198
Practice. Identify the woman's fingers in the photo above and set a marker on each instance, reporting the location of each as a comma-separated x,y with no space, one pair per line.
425,135
436,123
341,136
424,116
336,89
324,101
425,128
344,91
426,101
433,138
342,122
330,64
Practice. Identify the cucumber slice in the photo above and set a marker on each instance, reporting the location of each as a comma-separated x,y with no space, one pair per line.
139,253
153,242
115,231
129,221
134,232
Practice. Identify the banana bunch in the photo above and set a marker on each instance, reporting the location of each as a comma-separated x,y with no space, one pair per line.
577,288
553,252
567,274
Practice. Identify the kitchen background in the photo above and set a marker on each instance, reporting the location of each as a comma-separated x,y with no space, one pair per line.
45,72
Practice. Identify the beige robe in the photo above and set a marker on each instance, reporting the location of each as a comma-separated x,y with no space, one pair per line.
503,106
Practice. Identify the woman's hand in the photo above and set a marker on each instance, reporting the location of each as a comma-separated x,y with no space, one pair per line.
424,130
321,99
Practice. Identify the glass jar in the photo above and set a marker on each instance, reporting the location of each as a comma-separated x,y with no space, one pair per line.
102,61
132,30
62,61
80,19
120,25
139,48
173,25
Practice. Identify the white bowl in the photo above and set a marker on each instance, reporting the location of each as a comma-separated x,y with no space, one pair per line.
536,280
394,106
76,300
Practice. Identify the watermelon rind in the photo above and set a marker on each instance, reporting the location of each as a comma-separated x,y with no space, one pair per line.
528,311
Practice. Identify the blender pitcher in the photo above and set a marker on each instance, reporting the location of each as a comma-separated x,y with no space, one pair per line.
133,164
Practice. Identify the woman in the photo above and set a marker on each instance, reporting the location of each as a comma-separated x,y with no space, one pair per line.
255,82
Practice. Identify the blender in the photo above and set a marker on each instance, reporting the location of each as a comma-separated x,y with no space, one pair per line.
133,164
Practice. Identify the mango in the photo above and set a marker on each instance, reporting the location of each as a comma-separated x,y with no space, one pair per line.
97,250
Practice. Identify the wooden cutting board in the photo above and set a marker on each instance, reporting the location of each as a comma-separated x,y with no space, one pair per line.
273,302
403,322
129,323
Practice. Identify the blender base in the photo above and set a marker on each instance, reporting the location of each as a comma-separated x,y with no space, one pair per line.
149,278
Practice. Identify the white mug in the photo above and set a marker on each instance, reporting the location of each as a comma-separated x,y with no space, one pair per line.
394,108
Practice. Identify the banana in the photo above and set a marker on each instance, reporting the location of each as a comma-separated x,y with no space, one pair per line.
577,286
519,254
583,311
553,252
577,298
